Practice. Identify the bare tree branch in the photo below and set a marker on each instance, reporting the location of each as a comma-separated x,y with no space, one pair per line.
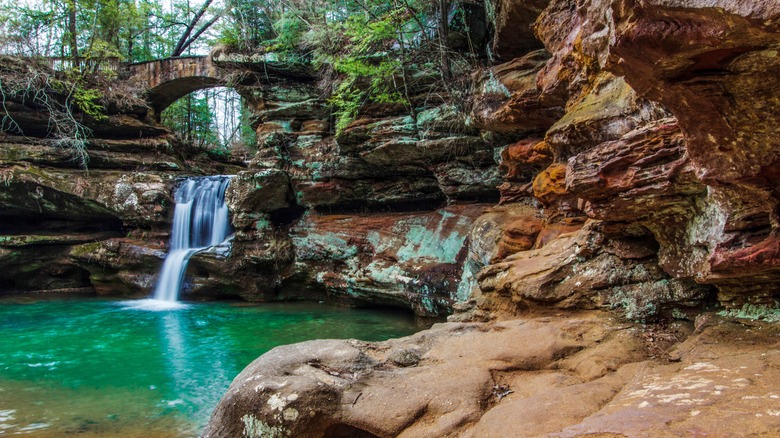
200,31
180,45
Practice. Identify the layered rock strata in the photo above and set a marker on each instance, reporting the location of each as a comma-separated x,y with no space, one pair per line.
638,159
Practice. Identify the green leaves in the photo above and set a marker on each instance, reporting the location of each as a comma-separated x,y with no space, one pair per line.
371,63
88,101
289,32
360,46
191,119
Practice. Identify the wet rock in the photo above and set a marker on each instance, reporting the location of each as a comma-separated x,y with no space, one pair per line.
258,192
120,266
234,272
29,191
139,198
405,259
41,266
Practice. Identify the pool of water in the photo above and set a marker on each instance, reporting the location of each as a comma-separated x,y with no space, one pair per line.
99,368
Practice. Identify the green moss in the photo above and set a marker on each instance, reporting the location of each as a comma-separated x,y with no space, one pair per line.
32,239
678,314
324,246
639,302
262,224
86,249
255,428
493,86
755,312
426,300
610,101
468,280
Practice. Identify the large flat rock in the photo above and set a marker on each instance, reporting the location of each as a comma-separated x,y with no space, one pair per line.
567,375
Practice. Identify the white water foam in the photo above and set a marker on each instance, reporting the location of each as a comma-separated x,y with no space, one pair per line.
153,305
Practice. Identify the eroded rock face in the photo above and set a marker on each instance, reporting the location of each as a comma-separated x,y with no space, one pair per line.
509,375
512,21
606,122
507,100
586,269
638,164
716,69
404,259
47,214
120,266
654,120
640,84
102,231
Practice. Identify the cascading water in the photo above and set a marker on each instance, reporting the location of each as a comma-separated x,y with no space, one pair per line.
200,221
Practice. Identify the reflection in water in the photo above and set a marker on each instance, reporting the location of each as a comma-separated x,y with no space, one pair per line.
196,376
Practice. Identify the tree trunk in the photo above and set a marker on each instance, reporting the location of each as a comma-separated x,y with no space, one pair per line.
185,40
444,30
72,37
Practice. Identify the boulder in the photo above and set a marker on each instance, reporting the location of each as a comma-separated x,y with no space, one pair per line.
627,380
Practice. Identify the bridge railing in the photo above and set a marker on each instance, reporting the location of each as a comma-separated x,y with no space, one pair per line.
170,58
104,65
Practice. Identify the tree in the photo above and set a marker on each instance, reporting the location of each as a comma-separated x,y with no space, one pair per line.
213,120
72,35
134,30
371,46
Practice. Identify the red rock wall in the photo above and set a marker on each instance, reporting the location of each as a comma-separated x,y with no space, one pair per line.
665,143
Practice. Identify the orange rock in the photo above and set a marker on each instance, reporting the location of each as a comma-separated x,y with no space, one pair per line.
525,155
552,231
519,235
550,184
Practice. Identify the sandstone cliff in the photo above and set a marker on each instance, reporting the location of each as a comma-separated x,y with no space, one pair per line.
629,146
607,162
636,145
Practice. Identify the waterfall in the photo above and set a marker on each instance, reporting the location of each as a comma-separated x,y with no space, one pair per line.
200,221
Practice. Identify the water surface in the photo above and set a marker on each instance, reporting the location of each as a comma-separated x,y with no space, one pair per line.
99,368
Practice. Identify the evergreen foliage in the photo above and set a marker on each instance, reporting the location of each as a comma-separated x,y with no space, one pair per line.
129,30
368,51
214,121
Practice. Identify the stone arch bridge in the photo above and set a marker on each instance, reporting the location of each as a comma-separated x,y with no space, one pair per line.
167,80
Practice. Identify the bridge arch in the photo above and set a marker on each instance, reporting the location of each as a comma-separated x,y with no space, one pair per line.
167,80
